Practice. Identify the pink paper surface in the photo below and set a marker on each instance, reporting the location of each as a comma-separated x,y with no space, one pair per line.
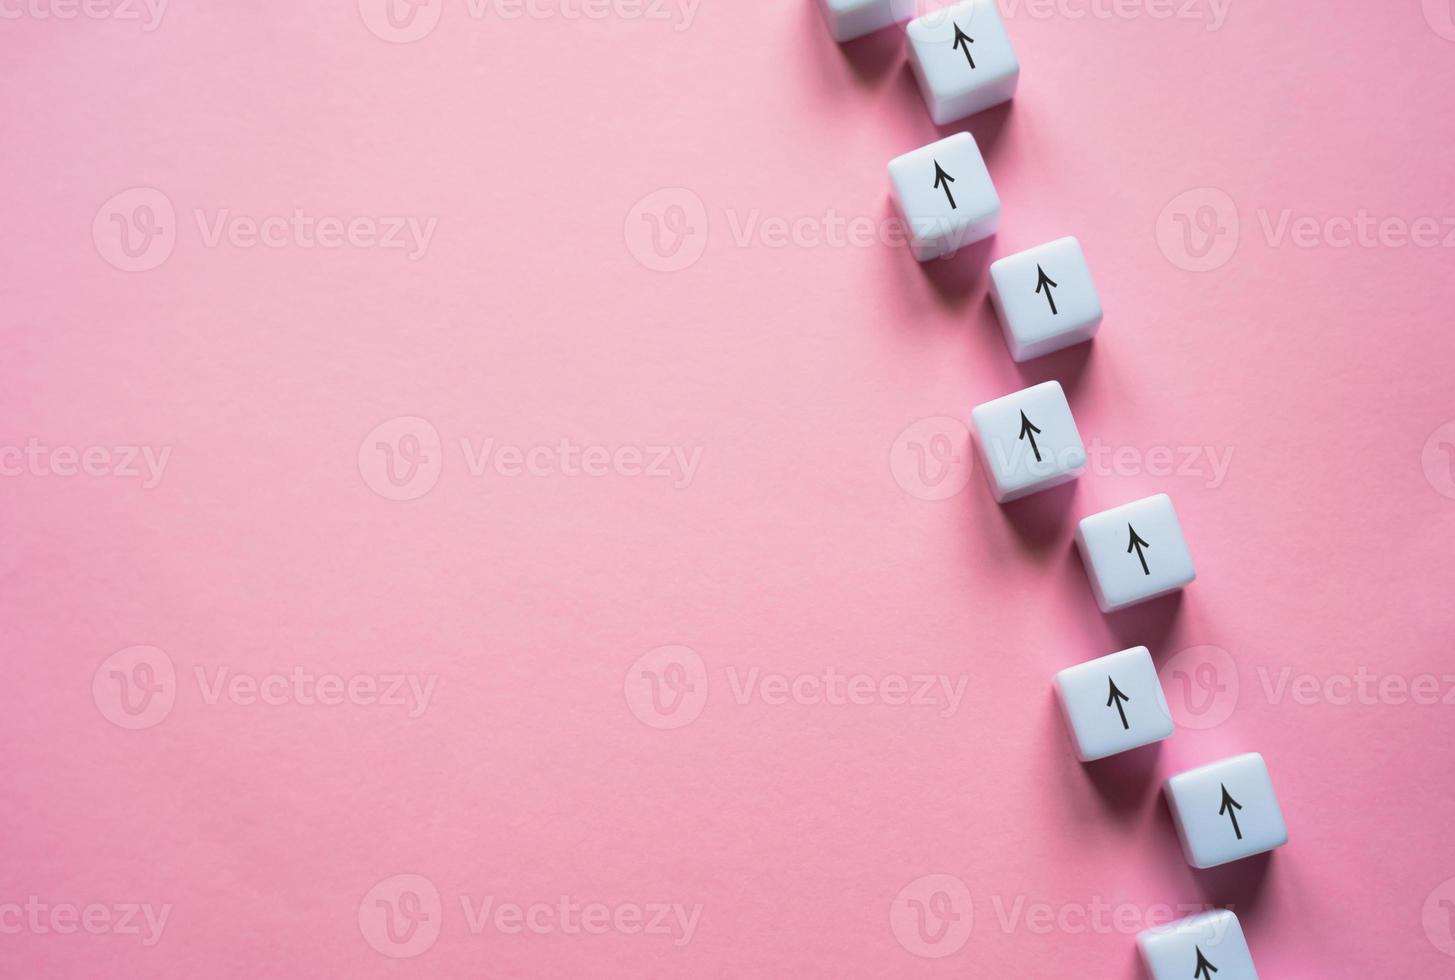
727,486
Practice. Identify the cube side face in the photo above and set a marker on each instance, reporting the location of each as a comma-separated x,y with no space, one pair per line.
1214,832
1028,441
944,194
1135,552
1100,725
850,19
963,59
1176,950
1063,701
1038,316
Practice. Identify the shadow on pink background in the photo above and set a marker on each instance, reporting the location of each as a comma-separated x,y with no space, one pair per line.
487,495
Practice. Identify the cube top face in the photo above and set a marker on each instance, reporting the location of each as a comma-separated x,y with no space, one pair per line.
1208,946
1134,552
963,59
1045,298
1226,811
944,193
848,19
1113,703
1028,441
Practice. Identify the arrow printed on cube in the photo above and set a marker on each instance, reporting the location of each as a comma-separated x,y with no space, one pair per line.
1029,431
945,180
1115,696
962,43
1134,540
1045,283
1205,969
1229,805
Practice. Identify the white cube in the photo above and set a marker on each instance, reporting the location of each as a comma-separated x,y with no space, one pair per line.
1134,552
1206,946
1028,441
1045,298
1226,811
963,59
848,19
945,196
1113,703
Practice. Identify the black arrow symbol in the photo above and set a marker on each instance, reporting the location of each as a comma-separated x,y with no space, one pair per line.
1045,282
1115,696
962,43
1229,805
1029,431
1205,970
1135,541
943,178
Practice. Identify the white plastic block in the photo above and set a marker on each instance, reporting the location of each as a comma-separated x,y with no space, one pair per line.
1226,811
1206,946
1113,703
1045,298
1134,552
943,192
1028,441
963,59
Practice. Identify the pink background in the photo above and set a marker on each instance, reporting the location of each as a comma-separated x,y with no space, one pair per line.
802,542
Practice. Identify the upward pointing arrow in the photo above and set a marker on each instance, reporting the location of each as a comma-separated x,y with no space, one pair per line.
1029,431
962,43
1115,695
1044,283
945,180
1204,970
1134,540
1229,805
